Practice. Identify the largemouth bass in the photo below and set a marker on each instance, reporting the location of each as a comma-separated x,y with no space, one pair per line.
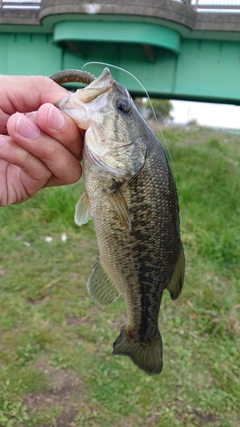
131,196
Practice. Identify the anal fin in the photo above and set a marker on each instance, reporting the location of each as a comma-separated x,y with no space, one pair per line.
100,286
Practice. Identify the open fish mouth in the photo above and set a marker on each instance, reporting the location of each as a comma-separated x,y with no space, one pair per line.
82,104
99,86
96,86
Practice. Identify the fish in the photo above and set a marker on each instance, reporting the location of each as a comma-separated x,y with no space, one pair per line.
131,196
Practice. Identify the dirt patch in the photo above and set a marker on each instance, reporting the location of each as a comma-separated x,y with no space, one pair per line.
209,418
76,321
37,301
64,392
2,272
118,323
86,320
199,419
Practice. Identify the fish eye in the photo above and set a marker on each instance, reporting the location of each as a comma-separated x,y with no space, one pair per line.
123,105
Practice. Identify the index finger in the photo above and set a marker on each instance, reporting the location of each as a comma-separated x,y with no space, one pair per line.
27,93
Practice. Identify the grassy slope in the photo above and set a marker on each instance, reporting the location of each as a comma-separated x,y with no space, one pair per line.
55,347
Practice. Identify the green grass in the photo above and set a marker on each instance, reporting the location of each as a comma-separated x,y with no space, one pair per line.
55,348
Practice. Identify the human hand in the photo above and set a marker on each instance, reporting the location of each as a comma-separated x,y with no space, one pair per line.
39,145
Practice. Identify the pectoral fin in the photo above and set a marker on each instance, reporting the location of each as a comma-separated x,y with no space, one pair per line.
120,207
175,286
82,214
100,286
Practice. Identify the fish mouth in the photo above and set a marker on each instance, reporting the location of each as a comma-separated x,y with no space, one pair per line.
97,87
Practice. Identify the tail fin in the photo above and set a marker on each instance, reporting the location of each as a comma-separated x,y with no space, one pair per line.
147,357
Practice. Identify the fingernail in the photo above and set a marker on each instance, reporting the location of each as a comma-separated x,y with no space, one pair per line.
55,119
2,141
26,128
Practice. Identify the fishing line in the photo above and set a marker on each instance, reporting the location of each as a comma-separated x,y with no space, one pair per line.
150,102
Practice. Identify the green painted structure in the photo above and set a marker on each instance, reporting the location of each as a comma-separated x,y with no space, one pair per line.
171,59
